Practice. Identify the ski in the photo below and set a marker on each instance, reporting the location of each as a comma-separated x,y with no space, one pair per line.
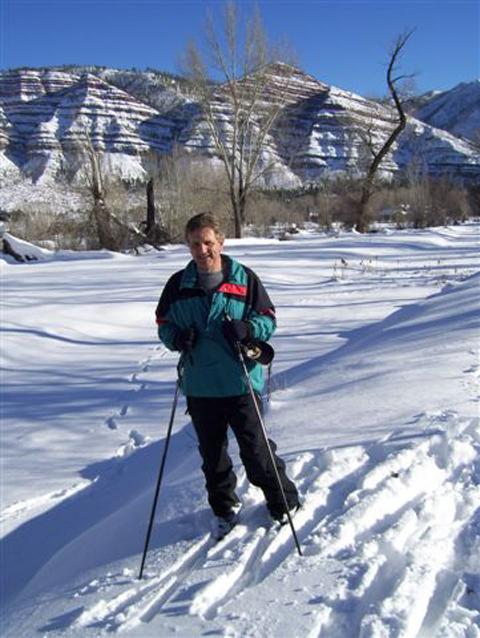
225,526
219,536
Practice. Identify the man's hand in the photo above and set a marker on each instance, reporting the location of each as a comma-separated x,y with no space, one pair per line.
236,330
185,340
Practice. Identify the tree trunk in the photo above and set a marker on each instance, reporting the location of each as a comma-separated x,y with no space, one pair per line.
104,230
242,207
362,217
237,222
150,223
100,212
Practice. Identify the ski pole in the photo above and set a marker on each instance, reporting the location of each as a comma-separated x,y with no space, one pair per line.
160,475
238,348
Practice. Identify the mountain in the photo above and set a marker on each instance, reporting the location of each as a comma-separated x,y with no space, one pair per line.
48,125
456,111
48,116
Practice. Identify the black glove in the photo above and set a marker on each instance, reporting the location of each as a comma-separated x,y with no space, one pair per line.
236,330
185,340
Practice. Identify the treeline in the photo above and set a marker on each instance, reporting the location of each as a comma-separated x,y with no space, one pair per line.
115,213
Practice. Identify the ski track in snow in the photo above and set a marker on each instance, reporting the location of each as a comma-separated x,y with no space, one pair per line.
139,604
399,560
252,553
392,512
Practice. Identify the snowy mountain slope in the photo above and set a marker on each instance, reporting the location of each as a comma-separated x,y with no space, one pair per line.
456,111
47,115
374,406
51,127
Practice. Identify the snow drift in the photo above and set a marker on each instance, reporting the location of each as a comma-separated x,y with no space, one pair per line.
374,405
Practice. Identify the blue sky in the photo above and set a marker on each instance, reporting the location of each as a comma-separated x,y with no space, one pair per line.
341,42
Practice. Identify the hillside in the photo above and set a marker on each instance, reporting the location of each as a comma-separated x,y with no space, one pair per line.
374,406
47,116
456,111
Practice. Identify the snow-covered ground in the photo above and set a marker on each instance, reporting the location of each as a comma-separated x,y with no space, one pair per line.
374,406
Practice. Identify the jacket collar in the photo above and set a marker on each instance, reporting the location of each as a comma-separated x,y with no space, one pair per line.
190,274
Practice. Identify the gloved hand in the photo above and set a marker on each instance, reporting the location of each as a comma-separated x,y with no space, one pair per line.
185,340
236,330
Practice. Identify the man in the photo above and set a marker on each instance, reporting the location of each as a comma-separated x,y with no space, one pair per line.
203,310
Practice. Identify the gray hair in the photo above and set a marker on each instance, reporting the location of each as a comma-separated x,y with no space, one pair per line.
204,220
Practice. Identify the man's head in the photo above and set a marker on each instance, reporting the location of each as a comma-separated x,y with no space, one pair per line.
205,239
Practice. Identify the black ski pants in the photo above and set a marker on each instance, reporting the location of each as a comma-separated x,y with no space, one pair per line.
211,418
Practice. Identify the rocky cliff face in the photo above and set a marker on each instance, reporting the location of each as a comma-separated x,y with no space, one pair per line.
48,116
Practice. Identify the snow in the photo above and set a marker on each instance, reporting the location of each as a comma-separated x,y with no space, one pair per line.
455,110
25,250
374,407
44,196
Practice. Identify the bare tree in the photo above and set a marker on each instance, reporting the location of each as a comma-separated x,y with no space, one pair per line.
104,218
94,178
233,82
184,184
362,222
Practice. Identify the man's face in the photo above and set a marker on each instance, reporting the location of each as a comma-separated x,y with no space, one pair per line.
205,248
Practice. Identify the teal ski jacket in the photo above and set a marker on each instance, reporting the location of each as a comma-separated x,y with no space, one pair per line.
213,369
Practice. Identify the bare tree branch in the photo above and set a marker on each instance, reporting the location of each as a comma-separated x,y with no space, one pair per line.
368,184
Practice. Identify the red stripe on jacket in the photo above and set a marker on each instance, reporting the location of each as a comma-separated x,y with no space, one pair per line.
233,289
161,320
269,312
